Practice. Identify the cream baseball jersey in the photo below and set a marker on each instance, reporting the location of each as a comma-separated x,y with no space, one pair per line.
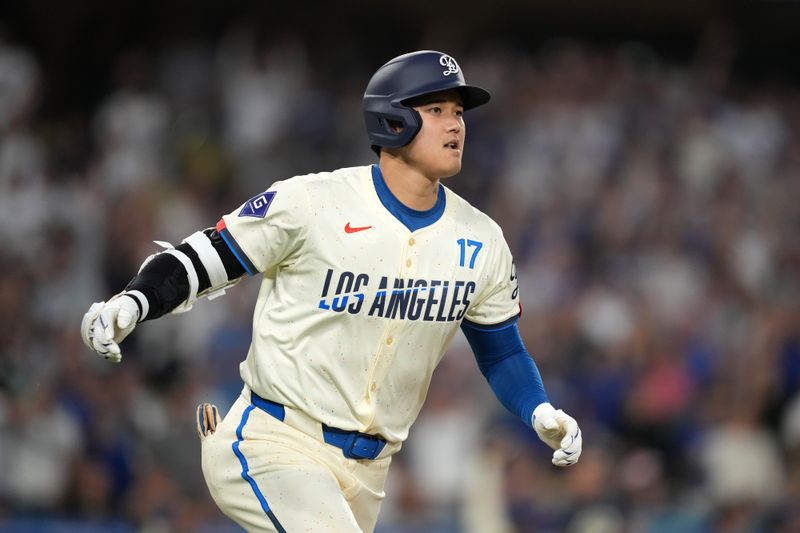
355,311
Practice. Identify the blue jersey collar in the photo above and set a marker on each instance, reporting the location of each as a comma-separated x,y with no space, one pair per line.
411,218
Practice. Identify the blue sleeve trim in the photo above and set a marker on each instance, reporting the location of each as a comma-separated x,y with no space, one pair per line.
510,370
237,252
491,327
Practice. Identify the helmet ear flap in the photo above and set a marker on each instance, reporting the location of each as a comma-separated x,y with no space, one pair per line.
406,77
392,129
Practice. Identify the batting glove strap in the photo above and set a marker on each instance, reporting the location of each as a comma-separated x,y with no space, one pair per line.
141,302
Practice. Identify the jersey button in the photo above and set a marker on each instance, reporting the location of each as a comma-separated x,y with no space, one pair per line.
408,262
389,341
373,386
411,241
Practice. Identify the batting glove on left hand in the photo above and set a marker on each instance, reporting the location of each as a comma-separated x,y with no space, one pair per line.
559,431
106,324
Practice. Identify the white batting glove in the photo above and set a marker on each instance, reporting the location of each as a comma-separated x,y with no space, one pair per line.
559,431
106,324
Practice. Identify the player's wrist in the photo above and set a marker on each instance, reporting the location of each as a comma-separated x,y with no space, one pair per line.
142,304
541,410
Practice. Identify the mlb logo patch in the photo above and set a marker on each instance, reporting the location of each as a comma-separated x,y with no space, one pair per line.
258,205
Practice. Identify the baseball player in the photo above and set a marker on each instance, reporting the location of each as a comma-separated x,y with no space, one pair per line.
367,273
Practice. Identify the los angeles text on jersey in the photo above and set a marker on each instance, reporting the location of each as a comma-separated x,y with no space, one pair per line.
400,298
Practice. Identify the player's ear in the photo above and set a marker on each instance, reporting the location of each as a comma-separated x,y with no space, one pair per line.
395,125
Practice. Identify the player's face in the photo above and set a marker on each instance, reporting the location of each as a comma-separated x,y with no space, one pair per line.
437,148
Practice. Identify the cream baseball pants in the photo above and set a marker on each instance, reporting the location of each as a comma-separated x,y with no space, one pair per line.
275,476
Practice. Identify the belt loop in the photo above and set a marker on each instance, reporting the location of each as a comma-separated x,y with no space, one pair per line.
275,409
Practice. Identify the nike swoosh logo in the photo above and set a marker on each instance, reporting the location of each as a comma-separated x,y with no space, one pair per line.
350,229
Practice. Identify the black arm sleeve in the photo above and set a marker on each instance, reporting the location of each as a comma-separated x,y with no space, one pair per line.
165,282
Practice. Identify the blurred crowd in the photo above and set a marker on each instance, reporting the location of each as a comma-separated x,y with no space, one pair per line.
653,208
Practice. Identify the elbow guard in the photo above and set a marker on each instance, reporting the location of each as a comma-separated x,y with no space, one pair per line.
172,280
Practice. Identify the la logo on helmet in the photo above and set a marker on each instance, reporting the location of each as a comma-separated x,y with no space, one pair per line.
450,63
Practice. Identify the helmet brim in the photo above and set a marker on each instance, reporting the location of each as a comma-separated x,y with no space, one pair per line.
473,96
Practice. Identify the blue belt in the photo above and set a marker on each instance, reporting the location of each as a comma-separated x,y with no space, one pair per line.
354,444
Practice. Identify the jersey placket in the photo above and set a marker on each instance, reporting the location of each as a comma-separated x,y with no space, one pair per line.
384,354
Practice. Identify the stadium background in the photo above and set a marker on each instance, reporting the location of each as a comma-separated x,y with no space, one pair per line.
644,161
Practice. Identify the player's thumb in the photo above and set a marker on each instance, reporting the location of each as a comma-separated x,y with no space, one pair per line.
128,312
124,319
549,423
544,416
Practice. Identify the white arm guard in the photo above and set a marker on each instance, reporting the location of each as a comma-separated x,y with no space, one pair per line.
212,263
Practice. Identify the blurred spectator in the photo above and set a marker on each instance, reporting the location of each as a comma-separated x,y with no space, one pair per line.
730,480
131,128
39,441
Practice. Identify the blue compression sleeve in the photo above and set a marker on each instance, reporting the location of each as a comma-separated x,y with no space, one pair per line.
507,366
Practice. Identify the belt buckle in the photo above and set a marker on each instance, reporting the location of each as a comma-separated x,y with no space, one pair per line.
362,446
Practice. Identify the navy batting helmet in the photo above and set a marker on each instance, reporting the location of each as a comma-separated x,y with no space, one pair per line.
406,77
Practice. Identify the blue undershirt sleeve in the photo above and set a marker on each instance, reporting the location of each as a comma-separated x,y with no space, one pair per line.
510,370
